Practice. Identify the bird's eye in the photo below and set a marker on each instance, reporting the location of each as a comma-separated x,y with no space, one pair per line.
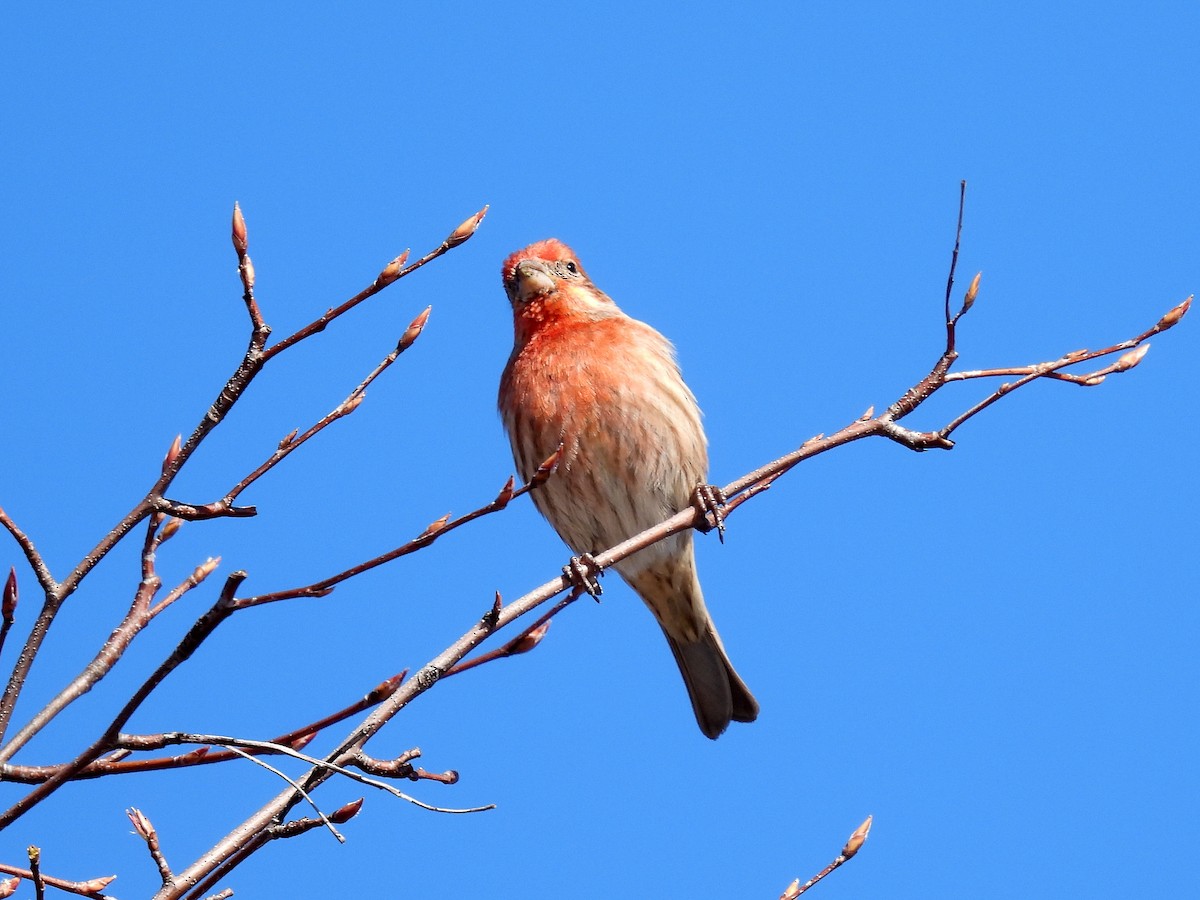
571,267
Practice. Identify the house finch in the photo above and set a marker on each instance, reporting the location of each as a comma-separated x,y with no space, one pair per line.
606,388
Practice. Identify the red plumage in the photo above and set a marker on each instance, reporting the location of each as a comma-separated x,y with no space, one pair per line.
607,387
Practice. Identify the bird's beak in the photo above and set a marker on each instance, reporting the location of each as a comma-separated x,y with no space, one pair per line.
532,279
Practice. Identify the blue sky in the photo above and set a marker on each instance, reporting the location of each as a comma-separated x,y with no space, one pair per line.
992,650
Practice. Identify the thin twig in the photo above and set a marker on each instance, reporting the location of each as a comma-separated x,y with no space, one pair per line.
523,642
458,236
143,827
40,569
292,442
35,872
428,536
270,768
962,200
91,888
234,743
853,845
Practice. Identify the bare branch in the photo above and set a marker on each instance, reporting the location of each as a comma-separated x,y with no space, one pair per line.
40,569
386,277
347,406
962,200
433,531
147,832
39,883
853,845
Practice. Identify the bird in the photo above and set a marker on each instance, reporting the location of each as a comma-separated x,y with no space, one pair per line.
605,391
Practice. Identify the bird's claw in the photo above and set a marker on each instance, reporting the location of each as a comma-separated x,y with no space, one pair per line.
710,500
584,573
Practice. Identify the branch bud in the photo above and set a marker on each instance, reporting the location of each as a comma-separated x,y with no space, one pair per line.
1131,358
858,838
1093,380
9,606
385,688
8,886
868,415
352,403
413,331
392,270
434,527
1172,318
345,813
972,292
463,232
506,493
491,618
205,568
141,825
96,885
173,452
168,531
303,740
523,643
546,469
792,891
240,240
288,438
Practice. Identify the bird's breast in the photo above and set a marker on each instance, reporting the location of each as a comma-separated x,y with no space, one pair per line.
633,445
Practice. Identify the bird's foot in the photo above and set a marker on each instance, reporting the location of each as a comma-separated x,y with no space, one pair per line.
584,572
710,500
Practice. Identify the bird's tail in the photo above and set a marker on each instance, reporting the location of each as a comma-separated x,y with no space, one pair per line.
718,694
672,591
